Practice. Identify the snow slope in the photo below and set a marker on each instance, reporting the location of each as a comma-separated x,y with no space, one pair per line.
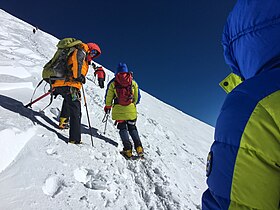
38,170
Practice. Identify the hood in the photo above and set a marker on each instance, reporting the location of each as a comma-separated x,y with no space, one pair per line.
94,46
251,37
122,67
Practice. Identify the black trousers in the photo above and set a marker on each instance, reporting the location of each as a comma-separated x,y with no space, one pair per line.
71,109
129,126
101,82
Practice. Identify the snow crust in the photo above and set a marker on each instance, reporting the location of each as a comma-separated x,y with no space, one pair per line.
38,170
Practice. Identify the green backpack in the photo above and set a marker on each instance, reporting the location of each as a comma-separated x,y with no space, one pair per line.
57,67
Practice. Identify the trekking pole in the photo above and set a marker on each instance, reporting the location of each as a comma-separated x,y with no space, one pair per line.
39,98
104,120
87,115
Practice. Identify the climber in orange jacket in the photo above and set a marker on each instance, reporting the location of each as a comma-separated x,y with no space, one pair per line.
69,88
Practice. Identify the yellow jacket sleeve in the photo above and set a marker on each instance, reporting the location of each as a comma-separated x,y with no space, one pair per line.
110,95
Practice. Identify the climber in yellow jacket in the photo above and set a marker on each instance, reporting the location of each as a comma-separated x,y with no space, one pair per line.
123,94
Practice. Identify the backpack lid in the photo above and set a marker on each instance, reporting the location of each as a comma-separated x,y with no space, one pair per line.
68,42
123,79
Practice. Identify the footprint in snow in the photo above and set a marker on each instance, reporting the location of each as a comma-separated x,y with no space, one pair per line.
51,151
91,179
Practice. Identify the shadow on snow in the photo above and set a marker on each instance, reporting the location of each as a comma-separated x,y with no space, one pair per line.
86,130
18,107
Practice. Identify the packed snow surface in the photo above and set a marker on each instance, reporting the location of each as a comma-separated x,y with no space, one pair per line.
38,170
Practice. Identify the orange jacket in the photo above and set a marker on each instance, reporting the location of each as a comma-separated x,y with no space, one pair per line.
79,64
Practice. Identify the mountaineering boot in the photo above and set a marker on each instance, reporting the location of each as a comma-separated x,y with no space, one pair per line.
127,153
140,151
63,123
74,142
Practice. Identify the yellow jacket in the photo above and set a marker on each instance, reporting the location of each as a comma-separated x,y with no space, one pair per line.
120,112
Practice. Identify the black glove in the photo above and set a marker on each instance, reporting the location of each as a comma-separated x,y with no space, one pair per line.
81,79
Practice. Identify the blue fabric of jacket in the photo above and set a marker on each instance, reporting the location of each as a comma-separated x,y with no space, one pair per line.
251,42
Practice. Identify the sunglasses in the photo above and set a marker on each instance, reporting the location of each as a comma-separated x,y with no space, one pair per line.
93,52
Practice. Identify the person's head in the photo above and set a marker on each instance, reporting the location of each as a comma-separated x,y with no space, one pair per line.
122,67
94,51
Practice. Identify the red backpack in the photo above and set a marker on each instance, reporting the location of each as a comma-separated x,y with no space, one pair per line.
123,85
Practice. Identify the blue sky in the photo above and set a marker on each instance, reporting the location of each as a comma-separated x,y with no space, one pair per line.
173,47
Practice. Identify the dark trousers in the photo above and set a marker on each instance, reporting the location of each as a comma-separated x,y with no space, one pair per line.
71,109
126,127
101,82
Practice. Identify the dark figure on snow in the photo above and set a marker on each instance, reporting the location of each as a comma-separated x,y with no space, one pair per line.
123,94
79,62
35,30
100,73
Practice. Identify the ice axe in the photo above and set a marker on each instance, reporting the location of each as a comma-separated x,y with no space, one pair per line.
39,98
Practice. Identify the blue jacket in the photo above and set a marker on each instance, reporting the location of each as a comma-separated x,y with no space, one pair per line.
243,165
